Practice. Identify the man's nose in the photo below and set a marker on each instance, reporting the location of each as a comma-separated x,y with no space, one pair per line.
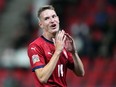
51,19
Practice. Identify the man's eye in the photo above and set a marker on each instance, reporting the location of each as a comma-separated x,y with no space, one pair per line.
53,16
46,18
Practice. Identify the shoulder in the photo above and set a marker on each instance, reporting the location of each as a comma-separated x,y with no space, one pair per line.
36,42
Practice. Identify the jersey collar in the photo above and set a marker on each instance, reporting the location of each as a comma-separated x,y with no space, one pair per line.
47,39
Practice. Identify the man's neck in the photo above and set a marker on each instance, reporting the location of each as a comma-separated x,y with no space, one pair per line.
49,36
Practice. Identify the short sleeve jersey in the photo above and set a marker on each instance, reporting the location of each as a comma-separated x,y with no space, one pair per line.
40,52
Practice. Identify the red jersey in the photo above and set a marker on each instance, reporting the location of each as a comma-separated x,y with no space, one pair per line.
40,52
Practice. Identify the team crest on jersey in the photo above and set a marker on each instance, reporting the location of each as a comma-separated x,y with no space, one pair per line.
35,58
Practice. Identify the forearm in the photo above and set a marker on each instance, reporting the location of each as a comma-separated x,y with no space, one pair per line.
78,65
44,73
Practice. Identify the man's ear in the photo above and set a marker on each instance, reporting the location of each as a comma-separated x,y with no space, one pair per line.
40,24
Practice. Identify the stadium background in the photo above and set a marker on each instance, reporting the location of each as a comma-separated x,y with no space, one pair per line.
92,23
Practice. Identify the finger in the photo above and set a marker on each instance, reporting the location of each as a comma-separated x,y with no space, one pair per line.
64,38
58,35
68,35
61,35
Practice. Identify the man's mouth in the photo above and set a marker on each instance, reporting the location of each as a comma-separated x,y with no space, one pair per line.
53,26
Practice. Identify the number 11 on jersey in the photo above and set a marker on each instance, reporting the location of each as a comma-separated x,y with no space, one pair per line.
60,70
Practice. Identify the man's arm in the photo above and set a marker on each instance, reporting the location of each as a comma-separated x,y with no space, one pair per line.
44,73
78,65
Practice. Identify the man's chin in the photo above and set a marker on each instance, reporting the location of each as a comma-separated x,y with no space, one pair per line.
55,31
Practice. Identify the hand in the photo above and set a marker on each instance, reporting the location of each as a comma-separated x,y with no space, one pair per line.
59,41
70,44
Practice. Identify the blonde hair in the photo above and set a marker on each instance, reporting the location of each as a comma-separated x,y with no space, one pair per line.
44,8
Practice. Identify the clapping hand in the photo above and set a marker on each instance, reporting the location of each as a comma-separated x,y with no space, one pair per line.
70,44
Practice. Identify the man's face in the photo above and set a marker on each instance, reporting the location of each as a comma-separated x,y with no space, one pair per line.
49,21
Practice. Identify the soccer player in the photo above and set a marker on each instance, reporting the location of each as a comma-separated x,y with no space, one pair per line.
53,52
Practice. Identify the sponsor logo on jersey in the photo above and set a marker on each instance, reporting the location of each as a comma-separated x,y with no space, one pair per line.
49,53
35,58
33,48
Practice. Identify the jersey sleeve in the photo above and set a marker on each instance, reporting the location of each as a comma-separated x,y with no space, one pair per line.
36,56
70,61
